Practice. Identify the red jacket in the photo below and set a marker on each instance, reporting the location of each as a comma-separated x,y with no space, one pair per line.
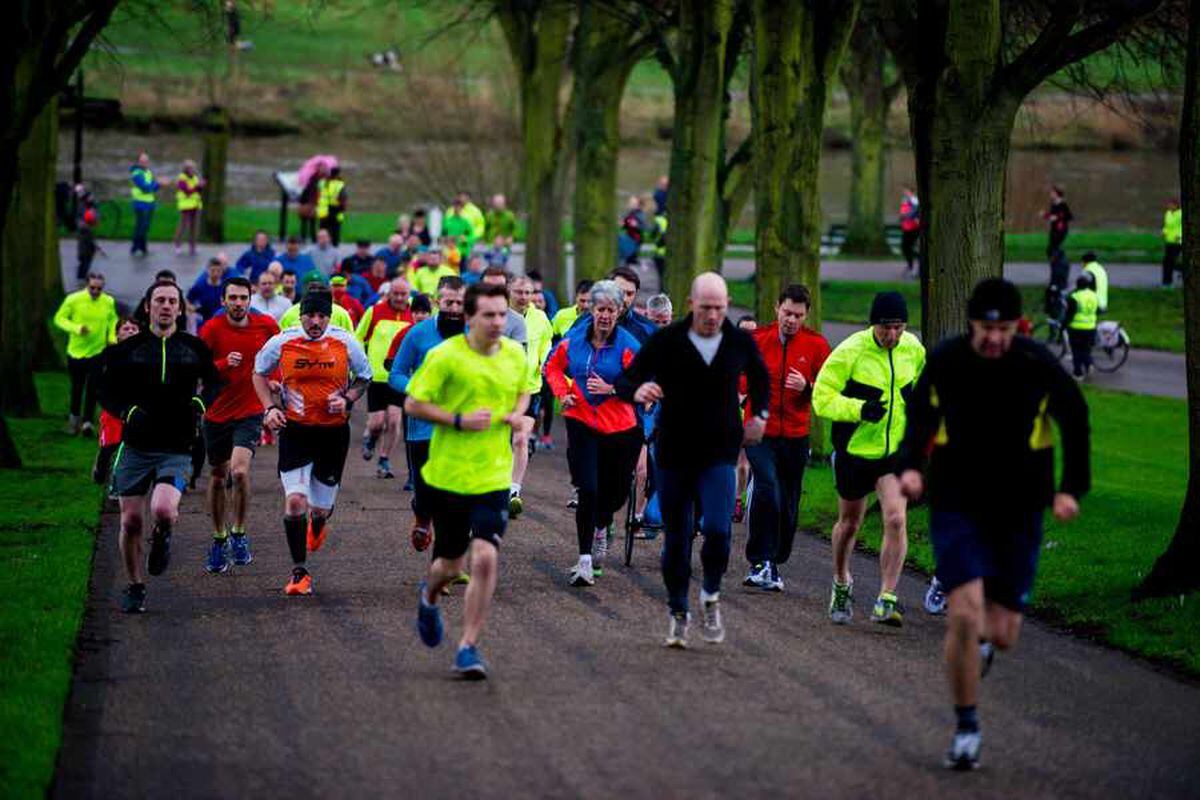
805,352
236,398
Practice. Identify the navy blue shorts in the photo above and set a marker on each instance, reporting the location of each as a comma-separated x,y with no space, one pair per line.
1003,551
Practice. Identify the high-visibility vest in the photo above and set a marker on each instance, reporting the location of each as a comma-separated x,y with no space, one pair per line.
135,191
660,236
329,190
1173,226
1087,308
188,201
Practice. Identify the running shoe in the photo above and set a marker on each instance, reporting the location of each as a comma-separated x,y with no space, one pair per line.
582,574
599,548
648,532
739,510
987,654
462,578
963,754
574,501
758,575
368,446
888,611
301,583
239,543
515,504
133,600
712,630
841,603
87,429
935,598
468,664
678,629
429,620
316,540
218,556
774,582
160,551
422,534
408,486
384,469
546,443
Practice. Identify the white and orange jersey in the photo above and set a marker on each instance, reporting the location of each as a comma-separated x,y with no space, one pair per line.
313,369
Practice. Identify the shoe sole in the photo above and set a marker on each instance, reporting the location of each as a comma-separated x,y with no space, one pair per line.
713,639
476,673
836,620
961,764
224,568
238,563
583,582
888,621
676,644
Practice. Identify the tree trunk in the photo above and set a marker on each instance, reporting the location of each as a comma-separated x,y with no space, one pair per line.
870,100
51,349
697,144
1175,571
213,169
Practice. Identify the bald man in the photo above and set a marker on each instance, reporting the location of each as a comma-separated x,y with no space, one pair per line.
692,369
376,330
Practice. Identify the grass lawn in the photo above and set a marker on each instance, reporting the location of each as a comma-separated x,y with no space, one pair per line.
1089,566
46,538
1110,246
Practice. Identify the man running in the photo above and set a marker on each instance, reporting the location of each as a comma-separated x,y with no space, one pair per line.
323,372
376,331
979,436
794,356
150,381
539,334
862,390
692,367
473,388
233,423
89,318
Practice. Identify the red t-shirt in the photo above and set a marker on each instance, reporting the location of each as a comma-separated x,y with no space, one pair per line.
353,307
236,399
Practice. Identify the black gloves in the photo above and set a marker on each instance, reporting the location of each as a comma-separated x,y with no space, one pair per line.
873,410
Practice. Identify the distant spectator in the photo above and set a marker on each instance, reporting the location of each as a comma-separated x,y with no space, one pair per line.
1058,217
1172,231
189,202
86,246
332,203
500,224
633,225
359,261
660,195
392,253
257,258
323,254
143,190
291,257
308,204
205,295
420,228
266,300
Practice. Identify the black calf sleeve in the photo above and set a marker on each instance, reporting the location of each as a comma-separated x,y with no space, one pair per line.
297,537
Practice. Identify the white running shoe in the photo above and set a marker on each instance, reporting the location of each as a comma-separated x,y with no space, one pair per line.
712,630
678,630
963,754
582,574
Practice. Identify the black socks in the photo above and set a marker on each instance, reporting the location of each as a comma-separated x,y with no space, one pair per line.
296,528
968,719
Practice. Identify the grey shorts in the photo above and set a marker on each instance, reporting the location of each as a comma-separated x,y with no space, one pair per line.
221,437
136,472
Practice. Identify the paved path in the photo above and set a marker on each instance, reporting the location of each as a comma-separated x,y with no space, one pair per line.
226,688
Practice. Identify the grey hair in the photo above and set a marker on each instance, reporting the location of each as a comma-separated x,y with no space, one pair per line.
659,302
607,290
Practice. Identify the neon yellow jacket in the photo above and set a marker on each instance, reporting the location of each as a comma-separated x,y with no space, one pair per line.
1100,274
564,319
78,310
1172,229
859,370
377,346
340,317
188,201
539,332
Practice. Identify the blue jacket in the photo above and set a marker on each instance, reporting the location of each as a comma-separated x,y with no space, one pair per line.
301,264
138,178
575,359
358,288
420,340
253,263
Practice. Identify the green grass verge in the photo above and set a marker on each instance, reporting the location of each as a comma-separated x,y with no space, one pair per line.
1089,566
1111,246
46,539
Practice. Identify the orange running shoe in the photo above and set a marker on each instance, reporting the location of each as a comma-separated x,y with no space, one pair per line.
422,534
315,541
300,584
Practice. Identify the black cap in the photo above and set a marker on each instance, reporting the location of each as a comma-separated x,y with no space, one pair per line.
994,300
888,308
317,301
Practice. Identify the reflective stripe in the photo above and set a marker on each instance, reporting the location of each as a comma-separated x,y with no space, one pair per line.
136,192
1087,306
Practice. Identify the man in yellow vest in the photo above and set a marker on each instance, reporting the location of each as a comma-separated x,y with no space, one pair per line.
331,204
1172,231
143,191
189,203
658,236
1083,312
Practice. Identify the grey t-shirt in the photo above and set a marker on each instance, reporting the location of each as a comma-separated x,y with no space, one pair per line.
514,328
324,259
705,345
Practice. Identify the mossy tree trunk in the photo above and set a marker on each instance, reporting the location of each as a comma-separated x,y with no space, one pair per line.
216,126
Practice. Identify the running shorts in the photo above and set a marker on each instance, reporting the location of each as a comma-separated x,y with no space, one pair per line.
380,396
855,477
136,471
320,448
1001,549
221,437
534,407
459,518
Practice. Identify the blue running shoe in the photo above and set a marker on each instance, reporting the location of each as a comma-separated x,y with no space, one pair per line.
468,664
429,620
218,556
935,598
240,545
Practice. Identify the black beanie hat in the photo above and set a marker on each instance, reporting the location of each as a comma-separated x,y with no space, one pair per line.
317,301
888,307
994,300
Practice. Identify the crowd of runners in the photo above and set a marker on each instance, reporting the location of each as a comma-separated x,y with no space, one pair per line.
463,377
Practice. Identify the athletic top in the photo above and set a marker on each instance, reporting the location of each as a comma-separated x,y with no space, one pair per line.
460,380
806,353
575,359
412,345
376,331
539,333
235,397
340,318
99,315
564,319
311,370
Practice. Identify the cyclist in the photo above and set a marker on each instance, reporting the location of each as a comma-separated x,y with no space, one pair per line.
1083,312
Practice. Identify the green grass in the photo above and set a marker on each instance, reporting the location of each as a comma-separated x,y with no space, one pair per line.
1089,566
46,538
1110,246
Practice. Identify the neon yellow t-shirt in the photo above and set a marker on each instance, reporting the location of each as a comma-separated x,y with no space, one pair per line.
538,332
459,380
340,318
564,319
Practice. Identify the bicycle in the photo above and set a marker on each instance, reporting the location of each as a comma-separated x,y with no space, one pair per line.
1109,352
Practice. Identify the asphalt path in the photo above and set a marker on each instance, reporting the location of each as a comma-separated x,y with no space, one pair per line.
227,688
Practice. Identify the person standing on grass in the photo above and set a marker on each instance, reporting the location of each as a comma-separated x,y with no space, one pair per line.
473,389
151,382
1058,219
89,318
188,186
979,443
1172,232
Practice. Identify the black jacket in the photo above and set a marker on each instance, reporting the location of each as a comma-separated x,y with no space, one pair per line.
151,383
700,421
983,429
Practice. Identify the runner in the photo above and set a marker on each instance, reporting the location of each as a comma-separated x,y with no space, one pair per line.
692,368
89,318
233,423
323,372
862,390
376,331
472,387
539,333
603,434
150,382
413,347
794,356
627,278
979,433
340,319
110,426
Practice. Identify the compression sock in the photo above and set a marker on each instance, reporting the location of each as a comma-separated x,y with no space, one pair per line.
968,719
318,524
295,529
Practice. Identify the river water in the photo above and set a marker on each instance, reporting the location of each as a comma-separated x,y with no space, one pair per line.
1105,189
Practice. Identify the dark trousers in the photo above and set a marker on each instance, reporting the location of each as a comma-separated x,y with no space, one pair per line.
418,454
1171,262
601,469
141,227
308,229
1081,349
1055,241
85,251
778,467
546,412
332,224
908,246
680,491
85,380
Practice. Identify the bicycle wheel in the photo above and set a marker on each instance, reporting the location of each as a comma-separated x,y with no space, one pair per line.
631,526
1110,359
1052,336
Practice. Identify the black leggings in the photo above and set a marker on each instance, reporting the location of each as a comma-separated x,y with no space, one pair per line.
85,380
546,412
602,469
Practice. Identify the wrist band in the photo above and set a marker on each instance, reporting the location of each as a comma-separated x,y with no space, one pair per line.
458,422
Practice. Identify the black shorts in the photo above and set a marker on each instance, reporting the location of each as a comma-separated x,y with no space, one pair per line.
380,395
221,437
1002,550
459,518
855,477
535,405
322,446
